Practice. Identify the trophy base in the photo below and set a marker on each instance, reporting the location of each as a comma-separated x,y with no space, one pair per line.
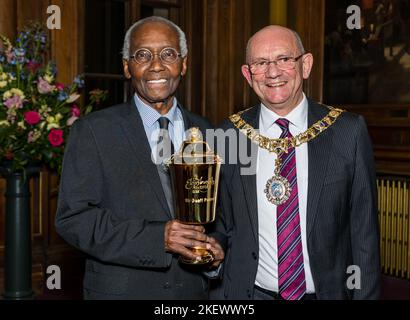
206,257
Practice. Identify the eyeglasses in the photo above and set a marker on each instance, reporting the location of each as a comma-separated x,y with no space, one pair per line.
167,56
284,63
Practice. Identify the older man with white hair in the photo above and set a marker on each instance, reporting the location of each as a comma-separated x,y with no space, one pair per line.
115,202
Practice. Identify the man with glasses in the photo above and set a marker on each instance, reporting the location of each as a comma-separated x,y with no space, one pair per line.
115,200
303,225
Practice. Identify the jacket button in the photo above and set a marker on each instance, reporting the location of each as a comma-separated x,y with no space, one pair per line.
248,292
254,255
167,285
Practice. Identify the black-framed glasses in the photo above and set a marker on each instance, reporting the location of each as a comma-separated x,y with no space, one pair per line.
167,56
283,63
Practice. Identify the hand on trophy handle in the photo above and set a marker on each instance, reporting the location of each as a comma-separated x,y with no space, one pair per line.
179,237
217,251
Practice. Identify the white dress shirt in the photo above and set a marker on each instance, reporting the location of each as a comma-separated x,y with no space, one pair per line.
267,274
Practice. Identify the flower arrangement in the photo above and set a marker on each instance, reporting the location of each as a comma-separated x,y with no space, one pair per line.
36,112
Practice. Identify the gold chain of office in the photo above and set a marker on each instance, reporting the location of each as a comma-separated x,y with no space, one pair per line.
282,145
278,188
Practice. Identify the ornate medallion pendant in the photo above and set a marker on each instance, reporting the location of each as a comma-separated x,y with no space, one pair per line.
278,190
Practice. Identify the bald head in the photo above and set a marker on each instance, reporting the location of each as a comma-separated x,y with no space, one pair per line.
271,34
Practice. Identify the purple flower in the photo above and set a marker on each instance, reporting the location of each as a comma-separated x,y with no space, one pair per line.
19,54
79,82
62,96
52,68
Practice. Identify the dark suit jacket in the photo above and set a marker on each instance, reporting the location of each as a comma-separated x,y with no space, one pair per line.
112,207
342,223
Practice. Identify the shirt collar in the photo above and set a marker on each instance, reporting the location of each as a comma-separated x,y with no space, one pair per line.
297,117
150,116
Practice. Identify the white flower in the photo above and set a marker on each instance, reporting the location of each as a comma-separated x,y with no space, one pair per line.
73,97
21,125
4,123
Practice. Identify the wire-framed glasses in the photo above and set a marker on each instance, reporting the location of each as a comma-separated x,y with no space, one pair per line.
283,63
167,56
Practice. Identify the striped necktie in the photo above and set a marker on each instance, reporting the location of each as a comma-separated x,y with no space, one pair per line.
168,146
292,284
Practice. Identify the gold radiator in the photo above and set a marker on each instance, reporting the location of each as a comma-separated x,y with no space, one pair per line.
394,212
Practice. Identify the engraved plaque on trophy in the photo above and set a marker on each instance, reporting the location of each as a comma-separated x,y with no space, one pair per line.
194,172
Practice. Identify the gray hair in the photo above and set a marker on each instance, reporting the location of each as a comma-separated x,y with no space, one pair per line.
299,44
181,35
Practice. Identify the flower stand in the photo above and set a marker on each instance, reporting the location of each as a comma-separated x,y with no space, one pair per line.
17,262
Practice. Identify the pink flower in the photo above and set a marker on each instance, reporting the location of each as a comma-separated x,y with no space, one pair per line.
75,111
43,86
30,137
32,117
14,101
60,86
56,137
71,120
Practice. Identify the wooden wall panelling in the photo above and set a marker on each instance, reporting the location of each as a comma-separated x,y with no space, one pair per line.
222,38
389,128
242,30
8,18
132,12
225,70
278,12
67,44
190,88
210,64
307,18
31,11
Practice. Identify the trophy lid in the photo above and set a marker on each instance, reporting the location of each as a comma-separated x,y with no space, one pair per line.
194,150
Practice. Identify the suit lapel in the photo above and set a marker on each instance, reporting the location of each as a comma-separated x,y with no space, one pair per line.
249,181
134,130
187,121
318,153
